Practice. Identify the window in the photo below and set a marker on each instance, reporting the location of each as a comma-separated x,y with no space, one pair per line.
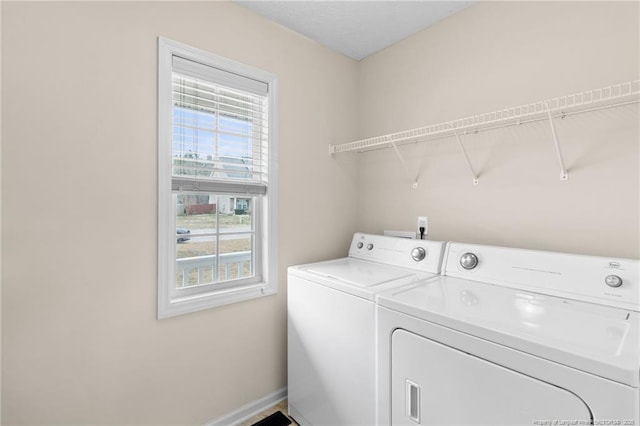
217,181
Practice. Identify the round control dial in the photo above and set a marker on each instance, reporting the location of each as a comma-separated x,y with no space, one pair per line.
369,246
613,281
468,261
360,244
418,254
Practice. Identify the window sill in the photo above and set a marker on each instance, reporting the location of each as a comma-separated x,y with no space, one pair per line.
168,307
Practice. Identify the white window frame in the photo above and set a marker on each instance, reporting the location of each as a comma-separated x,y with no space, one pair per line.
265,218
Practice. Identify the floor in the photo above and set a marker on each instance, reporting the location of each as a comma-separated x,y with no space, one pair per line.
281,406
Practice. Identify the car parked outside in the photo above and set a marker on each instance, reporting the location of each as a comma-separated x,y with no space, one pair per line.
185,232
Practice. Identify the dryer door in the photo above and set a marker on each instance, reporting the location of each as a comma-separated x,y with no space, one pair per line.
433,384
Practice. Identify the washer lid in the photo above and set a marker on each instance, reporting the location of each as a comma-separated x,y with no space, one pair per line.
590,337
356,272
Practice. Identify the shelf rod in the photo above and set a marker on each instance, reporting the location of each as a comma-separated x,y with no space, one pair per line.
563,170
607,97
466,156
404,164
494,127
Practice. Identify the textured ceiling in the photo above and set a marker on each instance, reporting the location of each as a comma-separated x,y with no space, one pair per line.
356,28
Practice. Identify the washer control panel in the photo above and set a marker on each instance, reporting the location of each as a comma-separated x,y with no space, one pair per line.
423,255
418,254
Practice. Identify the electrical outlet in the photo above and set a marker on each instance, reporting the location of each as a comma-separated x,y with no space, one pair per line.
423,222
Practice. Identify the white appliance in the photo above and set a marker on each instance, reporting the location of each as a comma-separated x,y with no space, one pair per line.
513,337
331,326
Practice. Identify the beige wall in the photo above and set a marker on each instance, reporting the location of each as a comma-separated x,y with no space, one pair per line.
491,56
80,339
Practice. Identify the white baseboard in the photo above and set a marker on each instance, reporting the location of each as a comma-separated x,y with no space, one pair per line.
250,409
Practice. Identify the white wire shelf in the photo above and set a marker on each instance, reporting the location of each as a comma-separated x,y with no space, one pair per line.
590,100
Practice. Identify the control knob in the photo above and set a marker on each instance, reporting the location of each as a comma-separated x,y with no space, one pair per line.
468,261
613,281
369,246
418,254
360,244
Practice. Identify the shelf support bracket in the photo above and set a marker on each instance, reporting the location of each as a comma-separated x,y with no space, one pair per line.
564,175
466,156
404,164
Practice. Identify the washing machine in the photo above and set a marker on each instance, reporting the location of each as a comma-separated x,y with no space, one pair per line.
331,326
512,337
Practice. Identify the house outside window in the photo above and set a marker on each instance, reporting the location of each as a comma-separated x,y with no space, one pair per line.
217,181
242,205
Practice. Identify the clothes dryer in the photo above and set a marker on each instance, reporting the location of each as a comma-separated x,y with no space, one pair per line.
331,326
512,337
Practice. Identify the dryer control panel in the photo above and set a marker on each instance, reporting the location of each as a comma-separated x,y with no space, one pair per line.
604,280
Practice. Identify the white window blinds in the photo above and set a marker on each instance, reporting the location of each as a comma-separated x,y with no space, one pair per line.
220,130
